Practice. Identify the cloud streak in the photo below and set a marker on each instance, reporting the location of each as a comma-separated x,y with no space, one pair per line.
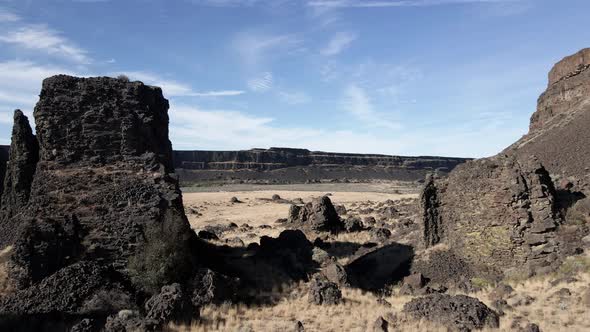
174,88
262,83
255,47
40,37
358,104
6,16
338,43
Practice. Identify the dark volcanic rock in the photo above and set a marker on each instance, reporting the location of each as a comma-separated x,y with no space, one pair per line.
496,212
65,291
20,170
322,291
353,224
318,215
101,198
291,251
459,312
172,304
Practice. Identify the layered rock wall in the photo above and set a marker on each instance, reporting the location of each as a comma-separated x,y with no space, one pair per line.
275,158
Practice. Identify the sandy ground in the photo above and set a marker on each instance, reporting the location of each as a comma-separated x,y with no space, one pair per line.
257,208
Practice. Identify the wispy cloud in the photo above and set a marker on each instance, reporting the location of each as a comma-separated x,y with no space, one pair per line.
42,38
6,16
230,130
338,43
294,97
394,3
20,83
261,83
255,47
172,88
358,104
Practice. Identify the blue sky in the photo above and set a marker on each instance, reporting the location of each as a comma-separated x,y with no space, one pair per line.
413,77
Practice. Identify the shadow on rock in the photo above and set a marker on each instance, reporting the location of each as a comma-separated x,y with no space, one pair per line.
380,267
263,269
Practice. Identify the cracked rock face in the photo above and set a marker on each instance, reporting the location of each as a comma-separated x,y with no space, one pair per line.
495,213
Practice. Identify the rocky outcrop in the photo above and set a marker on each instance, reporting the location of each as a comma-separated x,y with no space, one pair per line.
504,213
20,171
102,195
494,212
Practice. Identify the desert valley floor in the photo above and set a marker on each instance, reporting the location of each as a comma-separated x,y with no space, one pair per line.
554,302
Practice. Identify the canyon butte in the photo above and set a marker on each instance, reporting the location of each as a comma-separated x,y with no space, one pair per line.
92,209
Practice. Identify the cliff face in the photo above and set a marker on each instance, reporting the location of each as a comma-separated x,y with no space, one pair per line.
283,165
505,213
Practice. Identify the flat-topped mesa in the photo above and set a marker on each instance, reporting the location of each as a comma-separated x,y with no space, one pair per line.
569,84
275,158
102,120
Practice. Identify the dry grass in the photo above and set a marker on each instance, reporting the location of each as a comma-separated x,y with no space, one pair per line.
5,286
360,310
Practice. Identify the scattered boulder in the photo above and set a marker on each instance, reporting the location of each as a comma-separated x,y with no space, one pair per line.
318,215
276,197
459,312
320,256
322,291
171,305
336,273
353,224
415,280
234,200
380,234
